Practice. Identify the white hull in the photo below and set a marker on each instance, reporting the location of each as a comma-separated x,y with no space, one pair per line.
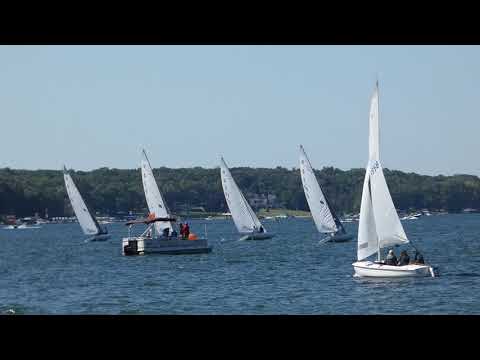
142,245
20,227
257,236
373,269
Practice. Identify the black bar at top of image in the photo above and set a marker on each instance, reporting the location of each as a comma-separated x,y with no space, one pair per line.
348,30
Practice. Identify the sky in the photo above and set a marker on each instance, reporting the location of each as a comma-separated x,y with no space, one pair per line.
98,106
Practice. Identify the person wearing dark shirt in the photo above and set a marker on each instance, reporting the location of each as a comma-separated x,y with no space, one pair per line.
391,259
166,231
404,258
418,258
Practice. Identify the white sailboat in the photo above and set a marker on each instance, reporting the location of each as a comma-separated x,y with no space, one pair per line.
159,237
156,204
379,225
325,218
243,216
87,221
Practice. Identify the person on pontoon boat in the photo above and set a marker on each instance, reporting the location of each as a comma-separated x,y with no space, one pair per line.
186,231
174,233
404,258
166,232
391,258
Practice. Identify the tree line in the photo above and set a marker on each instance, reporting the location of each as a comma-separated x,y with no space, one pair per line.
113,191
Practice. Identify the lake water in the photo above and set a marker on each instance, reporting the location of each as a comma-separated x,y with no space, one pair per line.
52,270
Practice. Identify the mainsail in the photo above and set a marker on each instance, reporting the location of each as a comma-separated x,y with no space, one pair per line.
317,202
243,216
379,225
155,202
87,222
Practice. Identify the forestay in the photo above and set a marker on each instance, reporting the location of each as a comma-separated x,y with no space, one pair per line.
87,222
243,216
316,200
155,202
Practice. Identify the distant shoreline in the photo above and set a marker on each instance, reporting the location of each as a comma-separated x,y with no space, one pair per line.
114,191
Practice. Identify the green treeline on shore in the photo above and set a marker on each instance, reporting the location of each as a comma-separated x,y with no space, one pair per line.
113,191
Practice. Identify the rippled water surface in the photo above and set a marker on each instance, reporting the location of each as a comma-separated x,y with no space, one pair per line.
52,270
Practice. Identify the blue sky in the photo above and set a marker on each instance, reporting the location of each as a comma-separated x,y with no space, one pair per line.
94,106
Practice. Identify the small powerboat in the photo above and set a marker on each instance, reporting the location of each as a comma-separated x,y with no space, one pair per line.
149,243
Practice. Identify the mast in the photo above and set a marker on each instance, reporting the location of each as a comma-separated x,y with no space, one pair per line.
379,257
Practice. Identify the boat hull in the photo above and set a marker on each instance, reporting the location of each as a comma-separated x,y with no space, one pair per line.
257,236
144,245
101,237
373,269
341,238
20,227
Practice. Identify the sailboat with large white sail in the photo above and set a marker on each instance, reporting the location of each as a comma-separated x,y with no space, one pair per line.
156,204
87,221
379,225
324,216
243,216
160,236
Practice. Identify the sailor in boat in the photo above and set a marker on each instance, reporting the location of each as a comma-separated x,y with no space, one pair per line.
182,230
166,232
404,258
186,231
418,259
174,233
391,258
258,230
